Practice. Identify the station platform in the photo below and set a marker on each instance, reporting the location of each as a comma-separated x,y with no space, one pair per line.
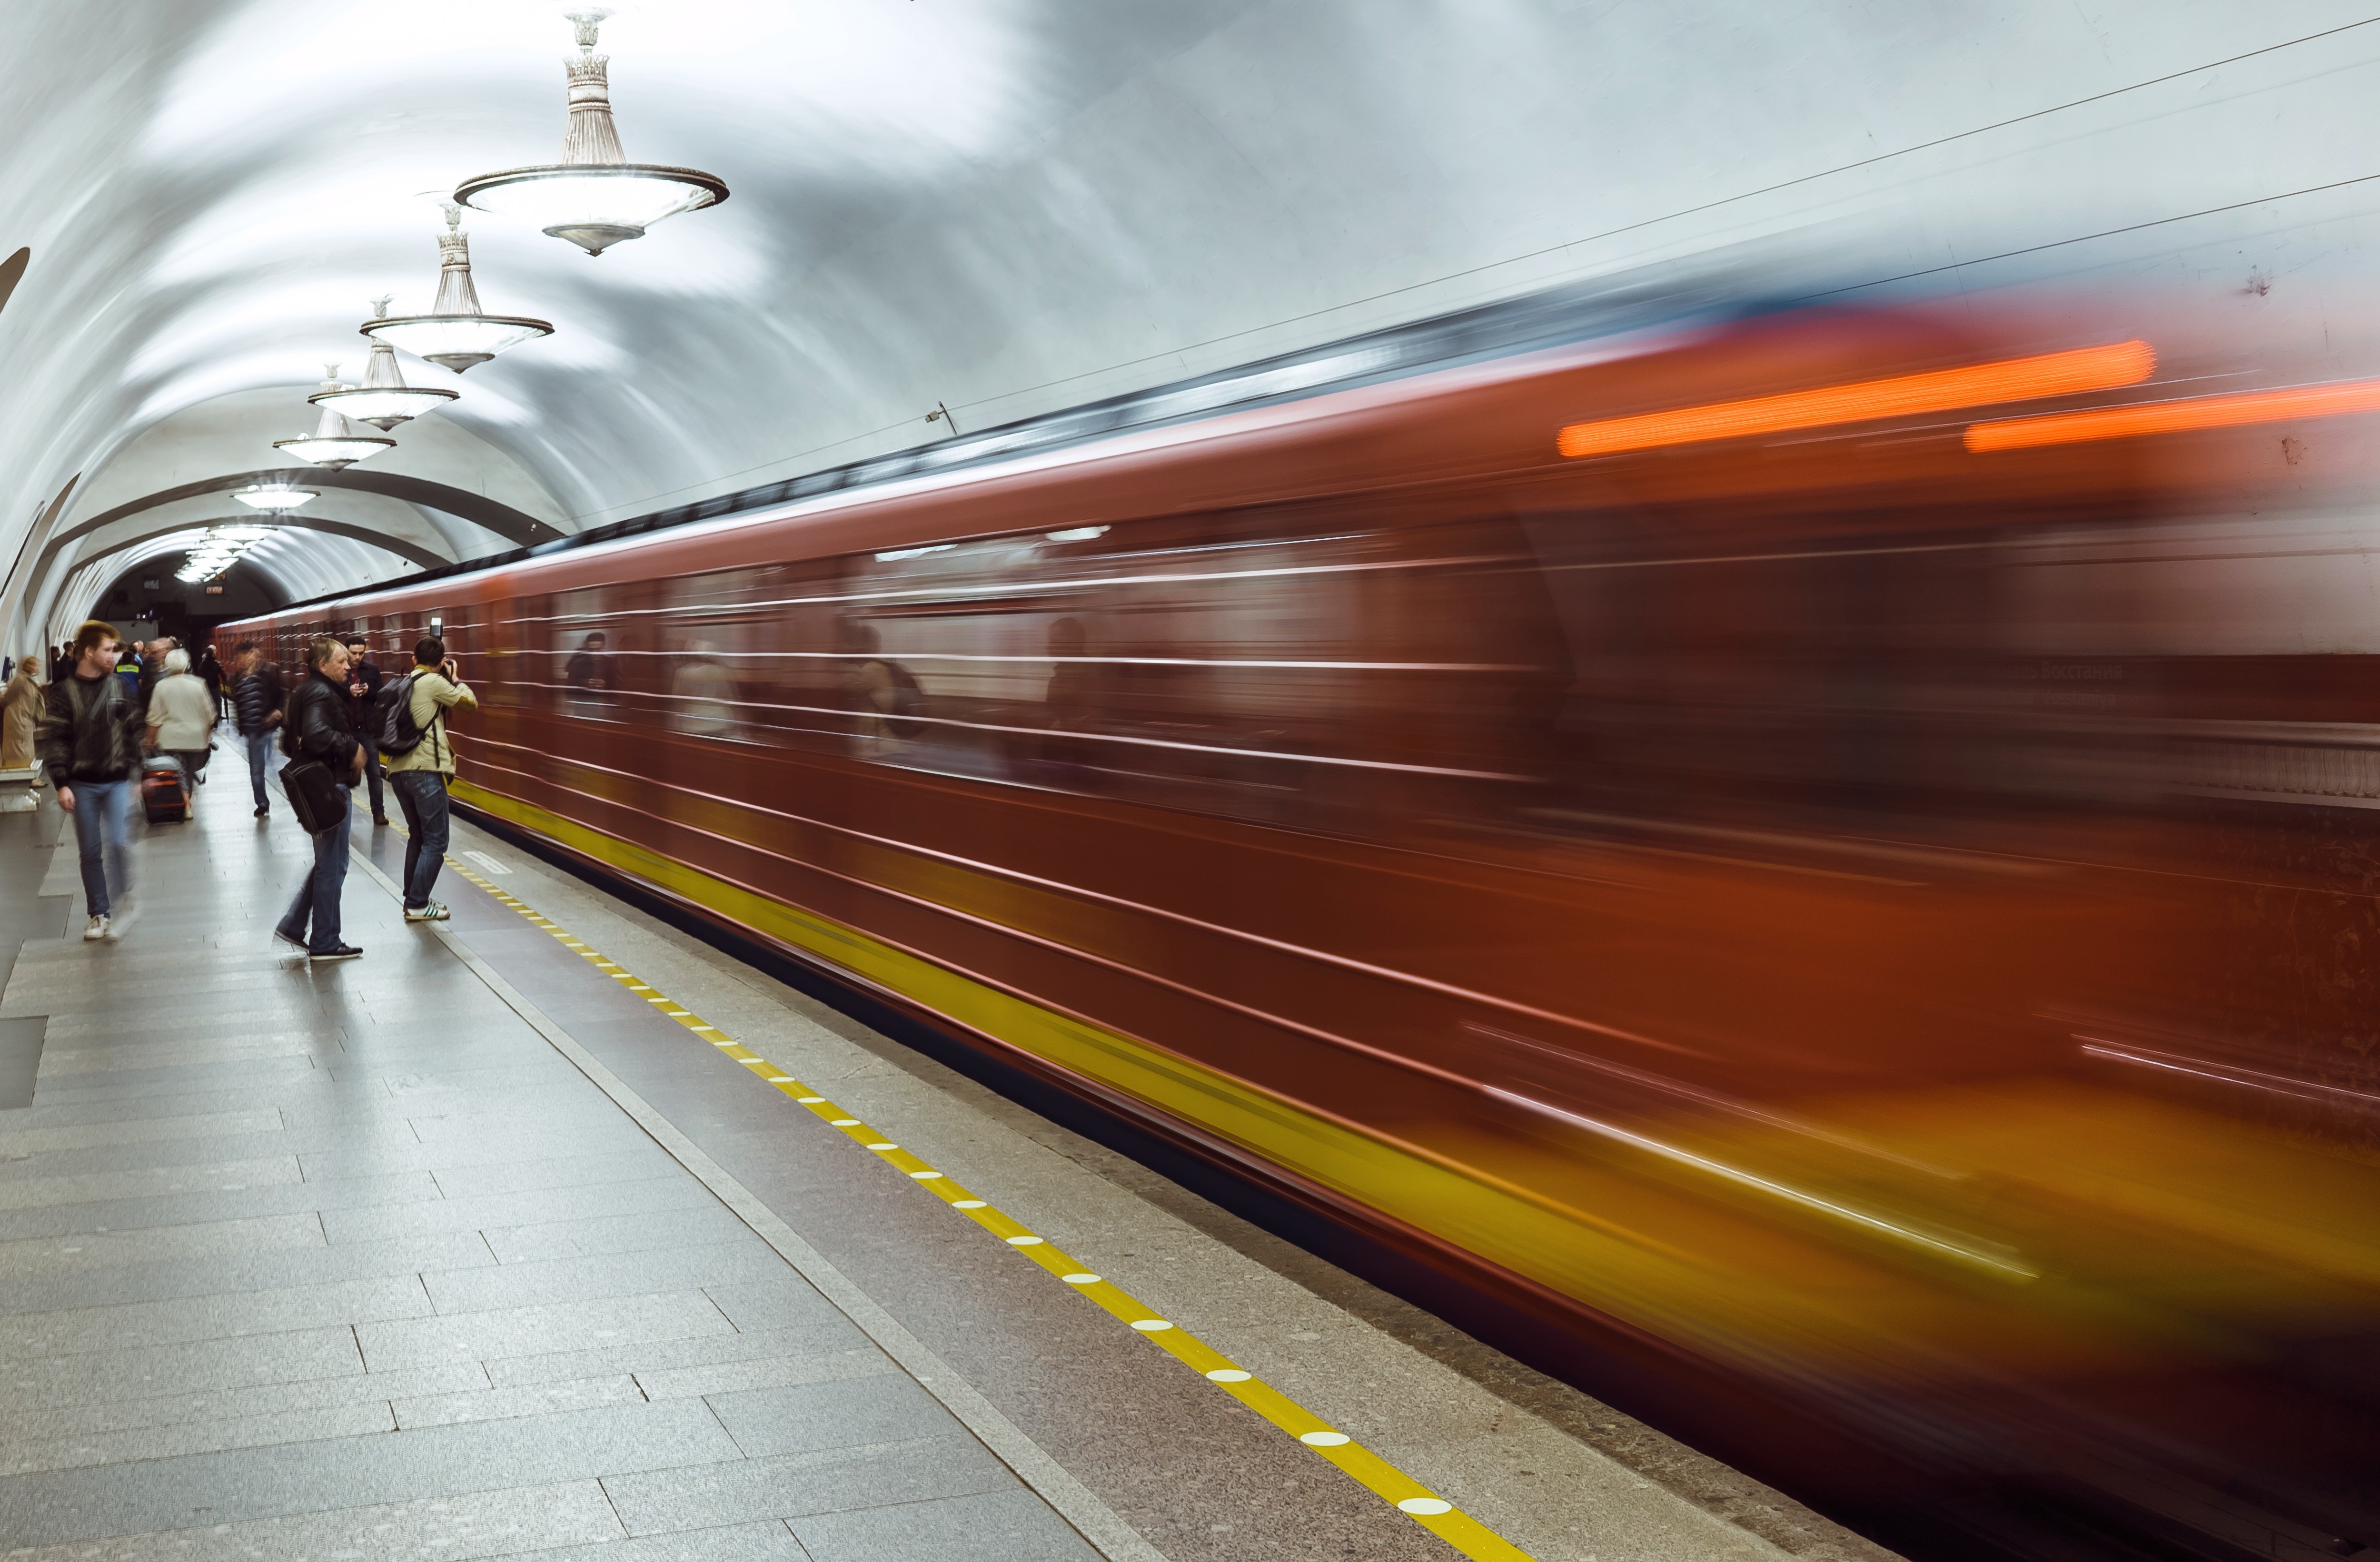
553,1231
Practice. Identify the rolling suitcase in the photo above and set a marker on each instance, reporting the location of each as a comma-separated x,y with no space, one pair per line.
165,792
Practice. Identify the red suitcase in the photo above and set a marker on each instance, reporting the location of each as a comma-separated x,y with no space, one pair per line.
165,794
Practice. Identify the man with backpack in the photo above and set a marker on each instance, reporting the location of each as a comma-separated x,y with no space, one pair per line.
412,733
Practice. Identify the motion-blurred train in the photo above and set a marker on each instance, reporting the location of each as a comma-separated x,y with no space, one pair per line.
1825,861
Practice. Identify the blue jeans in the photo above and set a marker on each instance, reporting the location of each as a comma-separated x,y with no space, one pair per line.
259,760
103,817
423,795
371,742
318,892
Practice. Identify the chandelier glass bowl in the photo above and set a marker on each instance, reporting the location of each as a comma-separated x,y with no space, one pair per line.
218,550
457,333
335,443
274,496
383,400
594,196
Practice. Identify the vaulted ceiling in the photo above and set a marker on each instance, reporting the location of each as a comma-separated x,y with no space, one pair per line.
1008,206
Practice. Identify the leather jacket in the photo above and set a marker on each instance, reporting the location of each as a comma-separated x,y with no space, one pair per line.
92,730
317,725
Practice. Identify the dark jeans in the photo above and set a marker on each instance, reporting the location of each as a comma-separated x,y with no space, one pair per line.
371,742
423,795
260,761
318,892
103,817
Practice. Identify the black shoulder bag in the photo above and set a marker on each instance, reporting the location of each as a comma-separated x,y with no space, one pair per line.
315,796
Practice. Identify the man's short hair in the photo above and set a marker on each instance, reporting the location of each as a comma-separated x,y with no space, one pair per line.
354,640
429,651
93,631
319,653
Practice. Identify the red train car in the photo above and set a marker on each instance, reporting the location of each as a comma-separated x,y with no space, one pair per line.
1825,856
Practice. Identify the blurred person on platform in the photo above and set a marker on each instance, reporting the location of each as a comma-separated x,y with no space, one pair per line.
61,662
364,680
129,669
257,710
421,773
319,727
90,741
182,716
20,716
211,673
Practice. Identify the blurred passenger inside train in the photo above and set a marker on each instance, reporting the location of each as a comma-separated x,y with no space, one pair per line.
884,695
182,716
702,694
1070,701
591,675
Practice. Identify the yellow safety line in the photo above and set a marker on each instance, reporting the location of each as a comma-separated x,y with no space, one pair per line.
1410,1497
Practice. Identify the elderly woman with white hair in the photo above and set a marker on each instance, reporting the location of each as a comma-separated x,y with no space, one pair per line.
181,715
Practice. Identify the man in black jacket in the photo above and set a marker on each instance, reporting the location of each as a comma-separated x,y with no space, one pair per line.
255,701
319,727
90,733
363,694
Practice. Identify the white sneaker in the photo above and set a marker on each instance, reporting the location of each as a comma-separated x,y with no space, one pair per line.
96,928
434,912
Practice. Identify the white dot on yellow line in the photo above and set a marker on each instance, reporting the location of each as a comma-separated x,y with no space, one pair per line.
1325,1439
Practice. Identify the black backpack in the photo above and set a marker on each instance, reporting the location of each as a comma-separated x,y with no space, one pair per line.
393,717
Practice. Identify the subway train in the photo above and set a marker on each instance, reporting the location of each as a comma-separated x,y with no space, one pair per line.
1813,870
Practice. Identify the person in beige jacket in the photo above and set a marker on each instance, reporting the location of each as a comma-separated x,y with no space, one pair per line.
21,712
420,774
182,718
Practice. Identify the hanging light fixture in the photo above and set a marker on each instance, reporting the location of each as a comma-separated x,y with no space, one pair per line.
335,443
218,550
274,496
383,400
457,333
594,196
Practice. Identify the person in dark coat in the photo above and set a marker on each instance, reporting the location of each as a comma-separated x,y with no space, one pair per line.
363,696
321,727
256,703
91,736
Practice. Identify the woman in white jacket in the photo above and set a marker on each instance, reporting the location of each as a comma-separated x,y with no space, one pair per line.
182,715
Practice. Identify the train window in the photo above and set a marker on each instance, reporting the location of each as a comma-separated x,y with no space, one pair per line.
582,634
1306,668
719,635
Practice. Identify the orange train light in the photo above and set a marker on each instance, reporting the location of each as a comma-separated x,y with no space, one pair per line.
2067,373
2176,416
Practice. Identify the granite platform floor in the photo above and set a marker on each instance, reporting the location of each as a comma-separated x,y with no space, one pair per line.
465,1249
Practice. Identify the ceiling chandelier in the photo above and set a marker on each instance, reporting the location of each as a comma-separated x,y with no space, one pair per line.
383,400
218,550
335,443
594,196
457,333
274,496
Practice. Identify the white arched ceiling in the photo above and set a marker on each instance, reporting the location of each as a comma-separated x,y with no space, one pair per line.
298,565
1014,205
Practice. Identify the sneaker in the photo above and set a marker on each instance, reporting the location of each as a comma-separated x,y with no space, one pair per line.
434,912
344,952
262,812
95,929
292,939
117,921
